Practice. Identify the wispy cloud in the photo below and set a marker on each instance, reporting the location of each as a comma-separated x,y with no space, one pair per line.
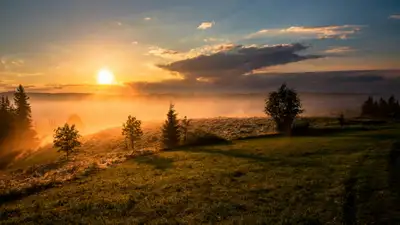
206,25
395,17
211,39
339,50
147,18
257,34
321,32
163,53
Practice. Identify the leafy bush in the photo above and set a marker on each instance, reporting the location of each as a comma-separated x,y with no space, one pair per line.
201,137
301,126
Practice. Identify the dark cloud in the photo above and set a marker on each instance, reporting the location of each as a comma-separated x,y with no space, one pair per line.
324,82
368,78
238,60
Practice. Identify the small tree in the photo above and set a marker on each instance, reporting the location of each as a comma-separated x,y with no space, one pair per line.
185,127
132,131
171,129
283,106
66,139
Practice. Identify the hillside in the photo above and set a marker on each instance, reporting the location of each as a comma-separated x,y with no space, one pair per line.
317,179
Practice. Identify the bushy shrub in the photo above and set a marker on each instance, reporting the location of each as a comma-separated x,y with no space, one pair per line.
301,126
201,137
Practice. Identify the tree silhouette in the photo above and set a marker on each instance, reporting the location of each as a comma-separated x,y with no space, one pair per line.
132,131
66,139
22,109
368,108
23,118
389,109
383,108
171,129
185,127
6,121
283,106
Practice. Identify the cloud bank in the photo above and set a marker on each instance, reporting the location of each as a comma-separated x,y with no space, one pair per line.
233,61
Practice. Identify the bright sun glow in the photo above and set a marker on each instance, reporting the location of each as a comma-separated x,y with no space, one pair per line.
105,76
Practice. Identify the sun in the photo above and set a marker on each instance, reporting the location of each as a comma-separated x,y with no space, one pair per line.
105,77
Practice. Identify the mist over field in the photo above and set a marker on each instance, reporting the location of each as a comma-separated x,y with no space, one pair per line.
101,112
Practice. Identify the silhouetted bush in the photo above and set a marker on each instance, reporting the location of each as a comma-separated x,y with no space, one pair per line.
200,137
301,127
185,122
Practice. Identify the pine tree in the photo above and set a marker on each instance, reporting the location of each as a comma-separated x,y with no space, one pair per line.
6,121
171,129
22,109
383,108
367,108
132,131
23,118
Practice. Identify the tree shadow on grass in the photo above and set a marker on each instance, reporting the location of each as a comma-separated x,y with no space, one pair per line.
236,153
160,163
330,131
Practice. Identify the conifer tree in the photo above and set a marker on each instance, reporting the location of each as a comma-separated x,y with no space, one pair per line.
367,108
6,121
23,119
171,129
22,109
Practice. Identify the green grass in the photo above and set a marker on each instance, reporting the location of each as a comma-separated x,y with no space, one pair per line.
278,180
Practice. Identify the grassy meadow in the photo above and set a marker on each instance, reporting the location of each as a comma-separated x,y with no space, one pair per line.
334,176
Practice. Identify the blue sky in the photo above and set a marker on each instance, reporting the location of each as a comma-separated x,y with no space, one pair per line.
50,42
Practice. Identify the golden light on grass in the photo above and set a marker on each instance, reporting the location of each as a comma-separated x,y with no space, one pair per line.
105,77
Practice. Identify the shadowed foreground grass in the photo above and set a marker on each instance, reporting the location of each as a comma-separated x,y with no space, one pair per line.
340,179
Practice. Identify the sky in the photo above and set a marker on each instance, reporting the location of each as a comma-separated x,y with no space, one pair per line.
200,46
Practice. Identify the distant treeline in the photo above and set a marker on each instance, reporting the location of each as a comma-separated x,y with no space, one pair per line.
16,130
384,109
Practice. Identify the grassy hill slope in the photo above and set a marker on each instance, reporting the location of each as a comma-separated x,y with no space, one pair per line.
333,179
